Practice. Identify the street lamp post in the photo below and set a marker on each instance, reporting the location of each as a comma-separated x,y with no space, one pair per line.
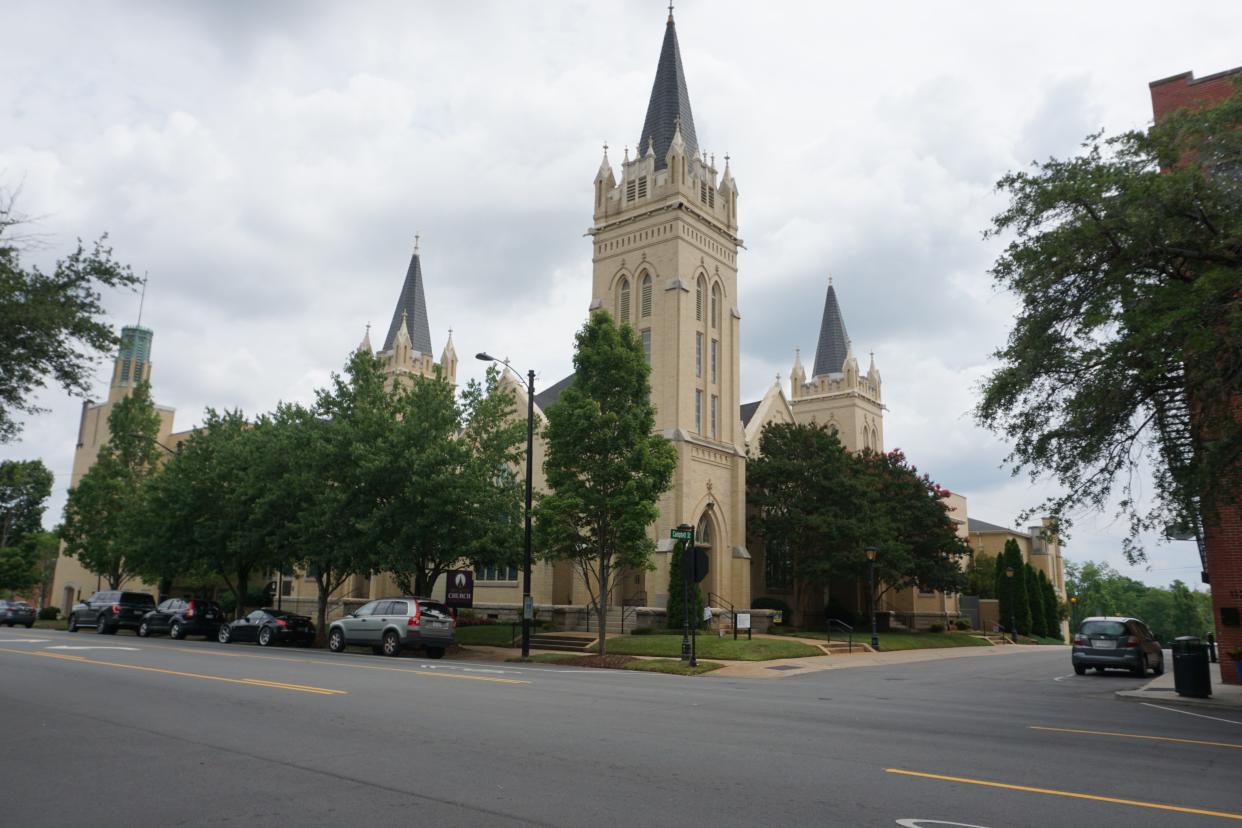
1073,600
527,604
875,639
1013,616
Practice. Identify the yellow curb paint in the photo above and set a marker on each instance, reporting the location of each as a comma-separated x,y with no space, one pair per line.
300,688
430,673
1070,794
1234,745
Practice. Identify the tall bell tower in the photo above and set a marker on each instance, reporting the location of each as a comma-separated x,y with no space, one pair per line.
665,262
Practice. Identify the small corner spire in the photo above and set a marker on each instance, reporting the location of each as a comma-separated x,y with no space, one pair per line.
670,13
416,238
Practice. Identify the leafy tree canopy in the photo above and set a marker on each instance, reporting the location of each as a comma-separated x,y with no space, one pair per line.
605,469
25,486
51,324
1127,264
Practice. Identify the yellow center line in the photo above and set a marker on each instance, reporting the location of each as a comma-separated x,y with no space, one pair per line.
1234,745
301,688
431,673
203,651
1070,794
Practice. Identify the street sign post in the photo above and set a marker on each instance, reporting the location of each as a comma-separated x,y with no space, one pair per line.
684,535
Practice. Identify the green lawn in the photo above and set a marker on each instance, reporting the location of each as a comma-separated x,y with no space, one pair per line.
50,625
760,649
674,666
891,641
488,635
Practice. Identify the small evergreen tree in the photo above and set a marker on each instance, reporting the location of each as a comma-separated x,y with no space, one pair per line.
1035,599
676,590
1052,609
1003,597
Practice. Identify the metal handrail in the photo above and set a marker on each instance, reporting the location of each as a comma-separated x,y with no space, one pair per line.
711,596
629,607
848,629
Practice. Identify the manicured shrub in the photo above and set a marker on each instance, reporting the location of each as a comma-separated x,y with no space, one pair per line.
936,627
49,613
764,602
962,623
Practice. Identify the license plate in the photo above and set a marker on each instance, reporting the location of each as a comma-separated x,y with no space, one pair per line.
1103,643
437,624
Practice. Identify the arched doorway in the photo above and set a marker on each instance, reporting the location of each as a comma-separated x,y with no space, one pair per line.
706,537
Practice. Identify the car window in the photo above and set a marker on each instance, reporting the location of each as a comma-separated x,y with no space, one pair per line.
165,607
142,599
1103,628
398,608
367,609
434,608
384,608
257,615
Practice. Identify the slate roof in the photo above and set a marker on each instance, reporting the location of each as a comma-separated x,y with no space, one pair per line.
669,101
974,525
834,342
552,393
747,410
414,305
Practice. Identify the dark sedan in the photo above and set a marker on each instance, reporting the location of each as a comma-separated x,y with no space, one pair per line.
270,626
17,612
180,617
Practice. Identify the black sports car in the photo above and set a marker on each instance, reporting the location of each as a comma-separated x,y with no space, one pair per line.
270,626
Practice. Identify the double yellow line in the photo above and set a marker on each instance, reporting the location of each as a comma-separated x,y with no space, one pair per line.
274,685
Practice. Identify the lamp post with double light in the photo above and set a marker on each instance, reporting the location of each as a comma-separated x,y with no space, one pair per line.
875,638
527,604
1013,612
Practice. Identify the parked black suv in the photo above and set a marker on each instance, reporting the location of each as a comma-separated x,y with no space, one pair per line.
111,610
180,617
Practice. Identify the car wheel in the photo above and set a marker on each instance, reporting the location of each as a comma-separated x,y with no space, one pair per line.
1140,670
144,629
336,640
174,631
72,626
1100,670
435,652
101,626
265,637
1080,669
392,644
1159,668
31,624
224,634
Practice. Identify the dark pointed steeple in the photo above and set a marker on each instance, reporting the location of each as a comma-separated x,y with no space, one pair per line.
669,102
834,342
413,306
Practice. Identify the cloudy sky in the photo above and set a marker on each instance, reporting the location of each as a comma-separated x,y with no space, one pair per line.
270,163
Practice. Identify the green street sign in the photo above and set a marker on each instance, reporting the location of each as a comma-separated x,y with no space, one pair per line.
683,534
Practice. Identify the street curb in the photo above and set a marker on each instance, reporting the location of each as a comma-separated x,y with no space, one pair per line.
1162,697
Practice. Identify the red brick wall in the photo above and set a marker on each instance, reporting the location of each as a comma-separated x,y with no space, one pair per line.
1223,535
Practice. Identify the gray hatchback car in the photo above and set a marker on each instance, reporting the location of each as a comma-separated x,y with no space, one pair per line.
1119,642
391,625
17,612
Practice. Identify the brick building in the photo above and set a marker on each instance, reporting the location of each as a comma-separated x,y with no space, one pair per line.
1222,533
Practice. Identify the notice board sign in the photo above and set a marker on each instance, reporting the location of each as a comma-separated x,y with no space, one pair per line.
459,593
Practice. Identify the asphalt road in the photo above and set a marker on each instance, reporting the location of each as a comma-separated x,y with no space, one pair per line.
196,733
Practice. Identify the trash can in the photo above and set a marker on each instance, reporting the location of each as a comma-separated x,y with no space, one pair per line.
1191,676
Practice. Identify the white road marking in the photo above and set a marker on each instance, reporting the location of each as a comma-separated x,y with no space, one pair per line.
70,647
25,640
925,823
1067,675
1188,713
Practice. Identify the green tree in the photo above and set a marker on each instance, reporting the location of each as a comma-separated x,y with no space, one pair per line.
1035,601
221,506
674,616
104,517
807,502
605,468
981,576
1052,608
1014,601
51,324
444,480
1126,260
25,486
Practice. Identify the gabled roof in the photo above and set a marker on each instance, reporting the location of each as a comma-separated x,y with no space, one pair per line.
552,393
413,304
670,102
747,410
834,342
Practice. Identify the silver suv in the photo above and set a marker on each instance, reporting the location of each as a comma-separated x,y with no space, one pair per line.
391,625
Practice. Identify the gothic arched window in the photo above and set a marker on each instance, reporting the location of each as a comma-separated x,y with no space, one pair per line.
645,309
699,289
715,306
703,534
623,302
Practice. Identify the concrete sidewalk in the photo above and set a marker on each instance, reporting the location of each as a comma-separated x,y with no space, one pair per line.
1225,697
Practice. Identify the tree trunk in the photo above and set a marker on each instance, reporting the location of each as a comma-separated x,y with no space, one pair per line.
601,608
321,612
243,579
